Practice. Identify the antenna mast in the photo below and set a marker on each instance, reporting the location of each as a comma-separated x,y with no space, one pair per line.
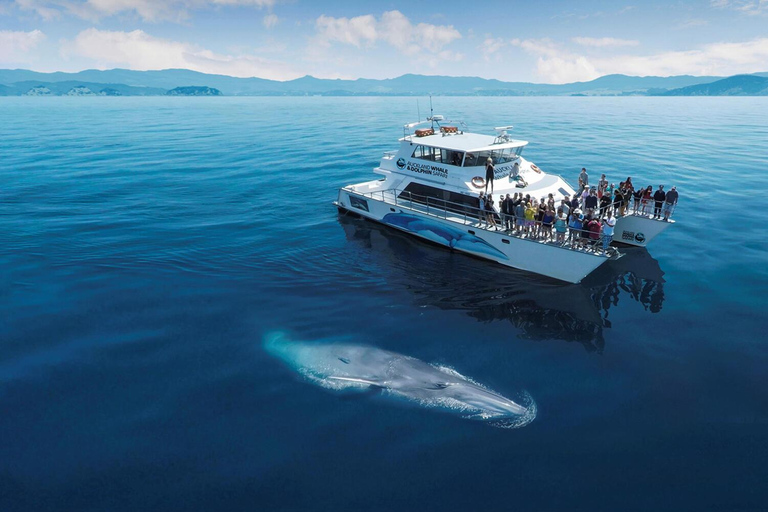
431,112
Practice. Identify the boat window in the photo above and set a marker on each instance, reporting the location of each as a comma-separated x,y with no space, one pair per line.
426,153
502,156
452,157
478,159
437,197
445,156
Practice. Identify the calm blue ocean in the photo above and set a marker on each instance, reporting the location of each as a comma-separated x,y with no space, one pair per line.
147,245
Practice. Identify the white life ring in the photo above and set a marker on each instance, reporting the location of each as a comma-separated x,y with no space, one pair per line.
478,182
535,168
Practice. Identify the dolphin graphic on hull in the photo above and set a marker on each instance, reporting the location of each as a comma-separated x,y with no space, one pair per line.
359,367
442,234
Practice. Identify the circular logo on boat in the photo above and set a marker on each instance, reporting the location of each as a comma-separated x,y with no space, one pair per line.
639,238
401,163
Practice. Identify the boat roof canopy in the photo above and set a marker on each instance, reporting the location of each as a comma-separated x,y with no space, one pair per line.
467,142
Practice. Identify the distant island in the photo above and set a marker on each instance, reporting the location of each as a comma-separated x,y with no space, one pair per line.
176,82
193,91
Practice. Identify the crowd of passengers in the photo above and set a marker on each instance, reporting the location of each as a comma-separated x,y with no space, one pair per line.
584,221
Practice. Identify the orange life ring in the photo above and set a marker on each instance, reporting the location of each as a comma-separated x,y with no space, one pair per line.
478,182
536,169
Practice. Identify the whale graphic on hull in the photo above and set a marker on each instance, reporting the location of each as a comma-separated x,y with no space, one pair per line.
443,234
358,367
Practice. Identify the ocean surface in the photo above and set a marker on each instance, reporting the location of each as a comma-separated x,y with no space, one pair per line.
148,246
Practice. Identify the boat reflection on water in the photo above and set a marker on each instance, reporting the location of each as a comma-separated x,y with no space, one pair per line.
541,308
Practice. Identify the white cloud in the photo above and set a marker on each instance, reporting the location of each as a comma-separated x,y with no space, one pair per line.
148,10
16,45
604,42
491,47
751,7
355,31
270,20
556,64
45,9
141,51
393,28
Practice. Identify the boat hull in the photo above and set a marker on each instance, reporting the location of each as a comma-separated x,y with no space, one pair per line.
530,255
638,230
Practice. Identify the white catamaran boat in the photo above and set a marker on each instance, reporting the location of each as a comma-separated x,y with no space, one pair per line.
430,189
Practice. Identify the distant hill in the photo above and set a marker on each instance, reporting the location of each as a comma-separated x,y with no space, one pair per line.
63,87
131,83
194,91
739,85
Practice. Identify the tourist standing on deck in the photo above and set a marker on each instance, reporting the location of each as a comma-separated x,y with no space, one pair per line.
540,211
618,200
670,202
546,223
608,223
590,203
594,227
647,193
520,215
658,198
583,179
574,203
481,208
506,212
584,196
605,203
491,212
530,216
637,195
489,170
602,187
561,222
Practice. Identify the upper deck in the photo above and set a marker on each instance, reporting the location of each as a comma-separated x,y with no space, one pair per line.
465,142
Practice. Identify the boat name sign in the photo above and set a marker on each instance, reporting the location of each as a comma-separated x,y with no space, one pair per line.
433,170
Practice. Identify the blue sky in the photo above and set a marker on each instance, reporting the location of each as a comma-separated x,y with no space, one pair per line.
547,42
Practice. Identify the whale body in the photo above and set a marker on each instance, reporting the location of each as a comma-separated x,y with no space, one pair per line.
359,367
442,234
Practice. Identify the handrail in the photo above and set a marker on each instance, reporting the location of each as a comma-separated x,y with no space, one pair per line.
571,239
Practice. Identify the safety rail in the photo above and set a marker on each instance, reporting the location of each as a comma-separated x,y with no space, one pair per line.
536,231
649,210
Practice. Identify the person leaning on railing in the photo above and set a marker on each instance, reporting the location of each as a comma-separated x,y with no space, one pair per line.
561,223
670,201
658,198
574,227
608,223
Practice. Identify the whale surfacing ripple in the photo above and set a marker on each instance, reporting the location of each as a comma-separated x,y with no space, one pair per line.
351,367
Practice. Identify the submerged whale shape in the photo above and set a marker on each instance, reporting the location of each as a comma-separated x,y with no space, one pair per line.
442,234
340,367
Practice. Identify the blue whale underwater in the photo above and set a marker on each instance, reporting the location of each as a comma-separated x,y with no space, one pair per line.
358,367
442,234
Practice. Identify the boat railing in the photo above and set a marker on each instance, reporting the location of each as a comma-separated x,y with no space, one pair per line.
539,231
632,208
389,155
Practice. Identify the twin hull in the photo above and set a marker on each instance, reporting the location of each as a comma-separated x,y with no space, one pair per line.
533,256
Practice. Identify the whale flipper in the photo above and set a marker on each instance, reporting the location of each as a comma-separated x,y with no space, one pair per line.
359,381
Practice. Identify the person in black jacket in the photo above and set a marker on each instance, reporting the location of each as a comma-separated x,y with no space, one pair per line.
658,199
489,171
506,212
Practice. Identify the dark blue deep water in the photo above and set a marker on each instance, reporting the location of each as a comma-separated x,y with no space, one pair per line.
147,245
